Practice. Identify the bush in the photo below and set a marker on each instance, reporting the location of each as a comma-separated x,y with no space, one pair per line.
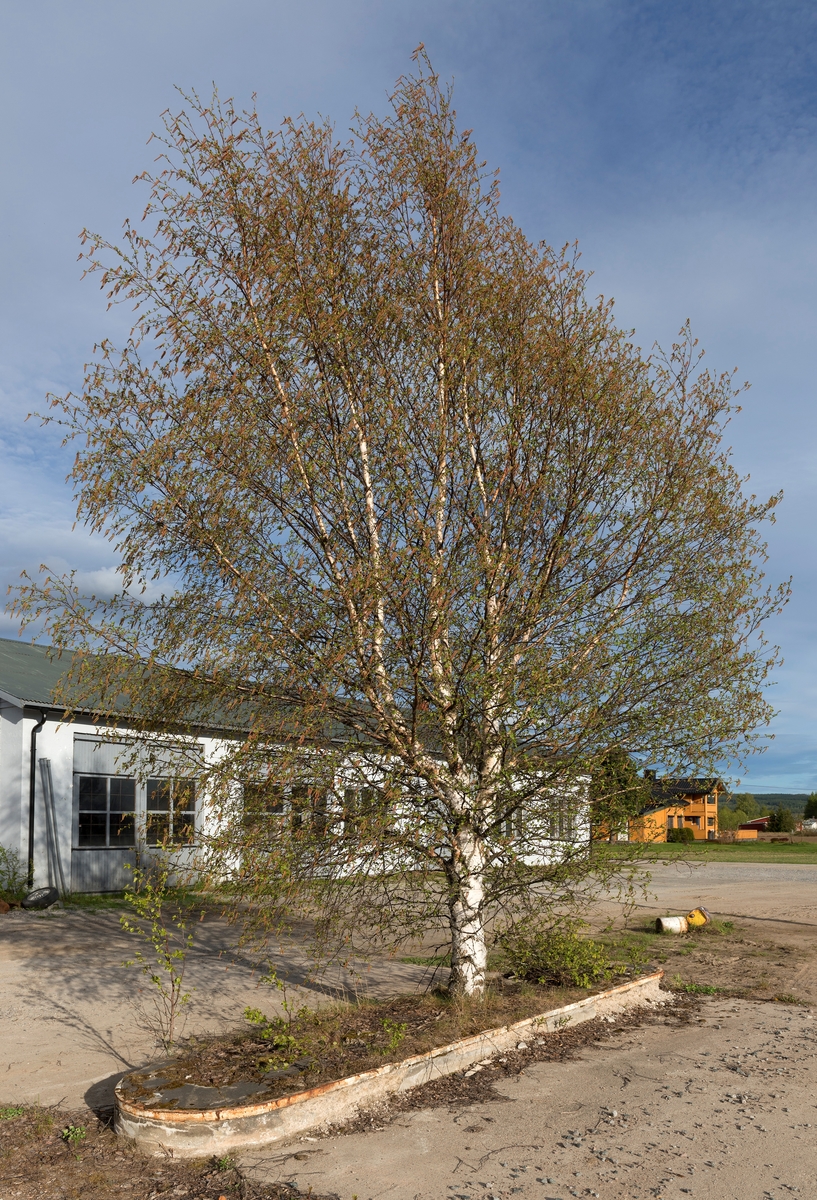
730,818
681,835
556,955
13,881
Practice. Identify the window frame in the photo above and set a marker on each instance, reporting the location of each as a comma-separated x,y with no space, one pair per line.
106,813
170,838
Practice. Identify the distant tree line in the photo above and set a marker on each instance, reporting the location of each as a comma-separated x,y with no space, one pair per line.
739,808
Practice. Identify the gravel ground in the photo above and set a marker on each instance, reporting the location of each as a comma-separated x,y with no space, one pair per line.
721,1107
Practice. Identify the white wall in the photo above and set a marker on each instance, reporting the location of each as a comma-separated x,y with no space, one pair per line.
14,741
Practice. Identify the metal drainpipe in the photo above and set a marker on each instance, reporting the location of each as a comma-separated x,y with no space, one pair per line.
32,792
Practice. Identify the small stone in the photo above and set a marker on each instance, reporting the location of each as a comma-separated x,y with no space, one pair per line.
521,1045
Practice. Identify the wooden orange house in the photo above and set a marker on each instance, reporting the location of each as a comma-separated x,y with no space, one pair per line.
678,804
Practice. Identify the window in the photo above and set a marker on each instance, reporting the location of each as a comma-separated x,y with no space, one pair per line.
710,820
696,821
561,821
170,811
309,807
711,799
364,808
262,802
107,811
670,822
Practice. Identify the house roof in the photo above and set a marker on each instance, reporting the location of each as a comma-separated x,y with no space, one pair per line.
27,674
665,791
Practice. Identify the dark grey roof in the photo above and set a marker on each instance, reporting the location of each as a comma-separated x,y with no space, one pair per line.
27,674
665,791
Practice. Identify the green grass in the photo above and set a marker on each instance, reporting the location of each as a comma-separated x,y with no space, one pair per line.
696,989
749,852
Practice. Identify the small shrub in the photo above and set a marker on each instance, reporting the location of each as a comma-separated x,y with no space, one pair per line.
396,1031
277,1032
159,917
556,955
680,835
781,821
13,878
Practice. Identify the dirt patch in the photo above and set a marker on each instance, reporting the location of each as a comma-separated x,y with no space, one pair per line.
727,958
49,1152
280,1055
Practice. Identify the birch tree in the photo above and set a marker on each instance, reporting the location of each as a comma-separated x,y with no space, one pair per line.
421,514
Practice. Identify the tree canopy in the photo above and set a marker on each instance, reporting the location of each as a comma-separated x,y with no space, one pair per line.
414,499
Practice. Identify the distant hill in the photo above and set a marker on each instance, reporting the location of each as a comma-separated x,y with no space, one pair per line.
795,801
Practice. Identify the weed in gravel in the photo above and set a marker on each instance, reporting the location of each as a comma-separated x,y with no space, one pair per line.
396,1031
73,1135
695,989
11,1110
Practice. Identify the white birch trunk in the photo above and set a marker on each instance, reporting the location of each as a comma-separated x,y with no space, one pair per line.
469,954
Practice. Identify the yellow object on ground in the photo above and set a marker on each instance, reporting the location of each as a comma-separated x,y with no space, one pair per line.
698,917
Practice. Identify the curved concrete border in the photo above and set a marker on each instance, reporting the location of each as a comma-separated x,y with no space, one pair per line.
196,1133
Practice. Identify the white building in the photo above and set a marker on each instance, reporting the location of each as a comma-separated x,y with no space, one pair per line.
72,804
69,803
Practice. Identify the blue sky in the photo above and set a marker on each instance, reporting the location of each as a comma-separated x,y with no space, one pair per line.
677,143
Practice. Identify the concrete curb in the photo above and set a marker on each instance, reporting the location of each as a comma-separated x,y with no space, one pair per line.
197,1133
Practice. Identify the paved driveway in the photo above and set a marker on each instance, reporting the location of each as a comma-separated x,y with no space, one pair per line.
762,891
